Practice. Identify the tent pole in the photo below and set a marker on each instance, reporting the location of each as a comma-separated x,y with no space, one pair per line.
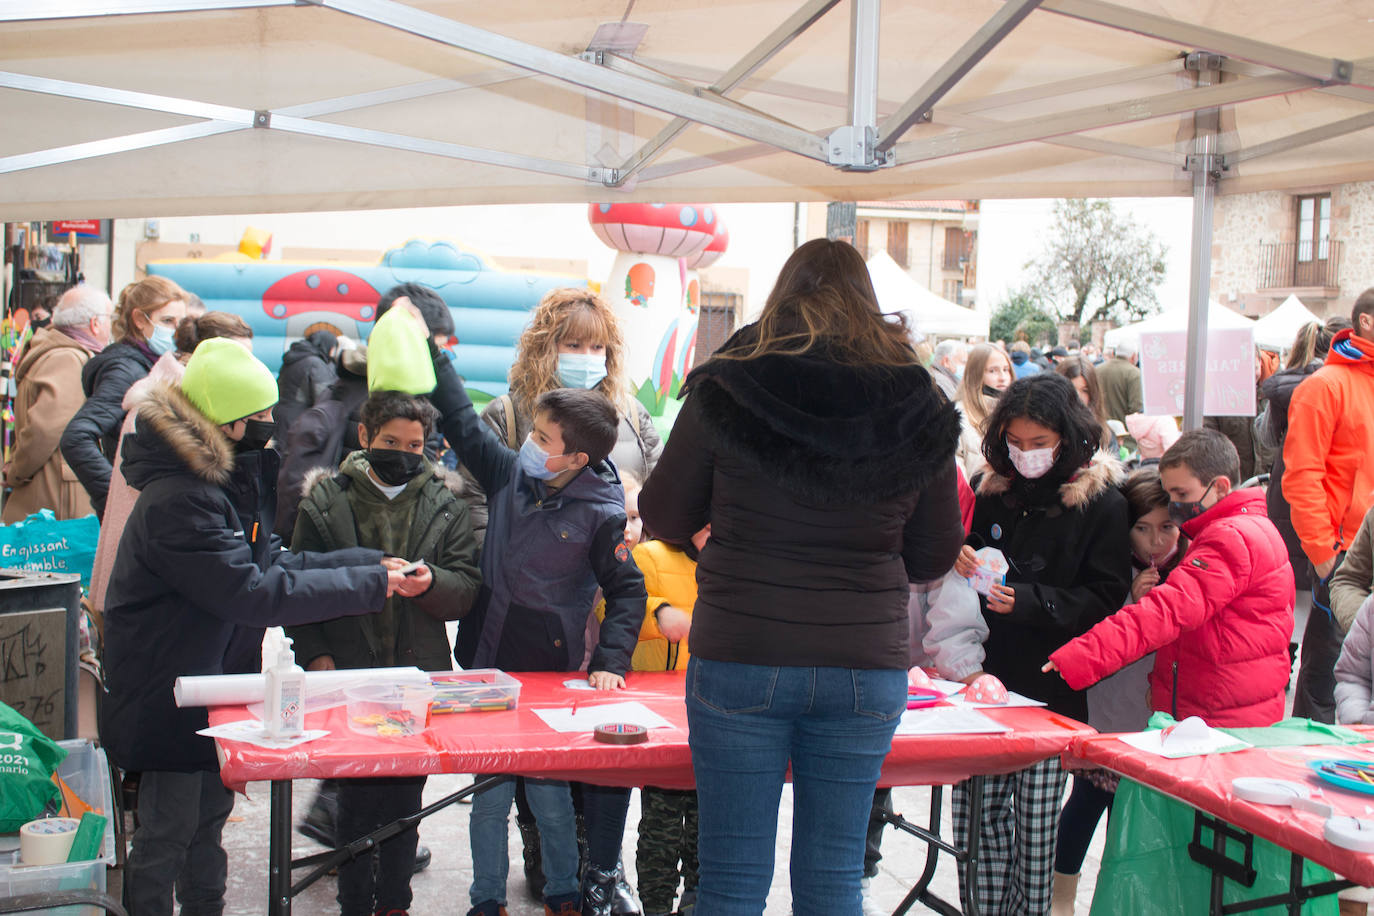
1203,165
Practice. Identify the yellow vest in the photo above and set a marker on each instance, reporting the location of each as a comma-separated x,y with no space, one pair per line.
670,577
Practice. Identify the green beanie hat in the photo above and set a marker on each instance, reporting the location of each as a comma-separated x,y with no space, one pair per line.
226,382
398,355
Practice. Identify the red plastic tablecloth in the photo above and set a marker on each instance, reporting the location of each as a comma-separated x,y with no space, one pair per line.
518,741
1205,783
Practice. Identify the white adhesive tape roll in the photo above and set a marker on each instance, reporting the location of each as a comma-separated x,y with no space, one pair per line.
47,841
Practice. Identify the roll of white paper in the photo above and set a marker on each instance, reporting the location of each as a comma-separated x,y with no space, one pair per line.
242,689
47,841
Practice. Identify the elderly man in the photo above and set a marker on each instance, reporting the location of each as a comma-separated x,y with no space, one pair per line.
947,365
48,394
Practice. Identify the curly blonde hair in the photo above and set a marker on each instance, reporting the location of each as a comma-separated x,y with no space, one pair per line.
568,313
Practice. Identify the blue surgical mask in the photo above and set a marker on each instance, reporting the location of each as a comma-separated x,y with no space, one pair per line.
162,340
581,370
534,461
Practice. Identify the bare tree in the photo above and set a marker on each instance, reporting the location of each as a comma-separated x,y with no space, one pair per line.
1098,263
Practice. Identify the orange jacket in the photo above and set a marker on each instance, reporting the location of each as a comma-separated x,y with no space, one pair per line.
1328,478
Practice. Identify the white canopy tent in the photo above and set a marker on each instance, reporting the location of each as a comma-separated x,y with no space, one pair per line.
167,107
1276,330
1218,317
928,314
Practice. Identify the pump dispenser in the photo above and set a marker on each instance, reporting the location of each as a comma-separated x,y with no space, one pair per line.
284,709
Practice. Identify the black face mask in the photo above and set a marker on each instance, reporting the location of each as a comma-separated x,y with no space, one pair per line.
991,392
39,323
394,467
1183,512
256,435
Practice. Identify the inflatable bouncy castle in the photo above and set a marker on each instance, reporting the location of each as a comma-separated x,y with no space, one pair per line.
284,301
651,290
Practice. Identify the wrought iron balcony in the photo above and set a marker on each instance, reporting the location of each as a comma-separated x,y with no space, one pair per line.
1299,265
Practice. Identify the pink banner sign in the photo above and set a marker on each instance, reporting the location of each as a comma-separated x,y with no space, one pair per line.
1229,377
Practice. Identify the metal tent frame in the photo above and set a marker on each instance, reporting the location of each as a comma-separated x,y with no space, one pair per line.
1222,70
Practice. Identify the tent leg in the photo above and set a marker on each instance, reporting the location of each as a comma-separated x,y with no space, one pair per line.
1203,165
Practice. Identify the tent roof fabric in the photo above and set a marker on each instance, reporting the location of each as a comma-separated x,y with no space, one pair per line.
1277,330
1218,318
930,315
223,106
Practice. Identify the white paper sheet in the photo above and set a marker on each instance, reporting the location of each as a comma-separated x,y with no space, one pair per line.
953,691
250,731
948,720
587,717
1213,743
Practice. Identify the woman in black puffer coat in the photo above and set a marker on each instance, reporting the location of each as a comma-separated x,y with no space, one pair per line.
822,456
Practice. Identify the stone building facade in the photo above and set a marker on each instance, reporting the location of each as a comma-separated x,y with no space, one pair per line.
1315,243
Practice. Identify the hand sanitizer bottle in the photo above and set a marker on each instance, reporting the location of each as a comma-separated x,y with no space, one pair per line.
284,709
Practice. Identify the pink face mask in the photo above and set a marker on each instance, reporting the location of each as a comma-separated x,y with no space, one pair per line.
1034,463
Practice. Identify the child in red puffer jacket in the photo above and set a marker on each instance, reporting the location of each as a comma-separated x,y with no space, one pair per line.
1222,620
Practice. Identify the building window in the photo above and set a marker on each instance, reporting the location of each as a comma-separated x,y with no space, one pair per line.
956,245
1314,228
954,291
897,243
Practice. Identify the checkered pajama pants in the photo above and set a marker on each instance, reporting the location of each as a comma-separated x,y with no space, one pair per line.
1016,856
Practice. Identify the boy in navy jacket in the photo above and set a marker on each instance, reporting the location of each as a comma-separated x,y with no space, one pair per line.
555,533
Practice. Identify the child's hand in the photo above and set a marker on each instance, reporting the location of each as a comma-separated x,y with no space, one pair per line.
393,563
673,623
394,581
1146,580
604,680
418,582
1001,599
966,562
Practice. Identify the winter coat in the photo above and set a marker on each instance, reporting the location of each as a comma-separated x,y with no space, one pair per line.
670,578
1353,580
1241,432
545,555
440,534
1271,431
1328,476
47,396
970,449
946,381
197,570
1121,391
1069,551
120,498
828,488
1355,671
90,439
947,627
1022,366
1221,623
319,437
307,373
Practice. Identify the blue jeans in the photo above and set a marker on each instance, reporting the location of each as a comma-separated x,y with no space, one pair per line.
489,833
747,722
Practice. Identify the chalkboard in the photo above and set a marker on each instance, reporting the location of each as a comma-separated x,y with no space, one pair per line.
33,668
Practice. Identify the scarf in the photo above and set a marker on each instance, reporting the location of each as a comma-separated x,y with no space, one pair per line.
81,336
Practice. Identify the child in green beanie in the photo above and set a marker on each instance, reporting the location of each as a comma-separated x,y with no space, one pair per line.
197,576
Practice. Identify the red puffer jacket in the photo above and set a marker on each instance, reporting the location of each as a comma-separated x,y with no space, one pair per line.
1221,623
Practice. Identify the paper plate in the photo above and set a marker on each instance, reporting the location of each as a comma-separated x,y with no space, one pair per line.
1330,771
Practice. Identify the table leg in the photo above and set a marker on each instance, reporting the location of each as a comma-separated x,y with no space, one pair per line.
279,850
975,804
1219,847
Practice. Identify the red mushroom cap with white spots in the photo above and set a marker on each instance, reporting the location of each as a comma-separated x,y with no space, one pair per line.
720,240
672,230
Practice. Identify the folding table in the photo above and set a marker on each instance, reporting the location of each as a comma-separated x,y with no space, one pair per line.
518,742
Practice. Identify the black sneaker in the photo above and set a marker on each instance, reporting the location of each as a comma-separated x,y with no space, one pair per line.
422,859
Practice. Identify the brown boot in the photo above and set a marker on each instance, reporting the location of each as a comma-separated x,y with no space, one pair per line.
1064,894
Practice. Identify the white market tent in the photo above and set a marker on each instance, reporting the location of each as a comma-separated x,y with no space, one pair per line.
1277,330
1218,317
929,314
169,107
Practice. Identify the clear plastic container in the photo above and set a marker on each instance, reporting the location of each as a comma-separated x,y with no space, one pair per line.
388,710
478,690
88,774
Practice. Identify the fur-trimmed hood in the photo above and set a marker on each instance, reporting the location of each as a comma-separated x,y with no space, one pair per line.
1103,471
171,436
452,480
831,433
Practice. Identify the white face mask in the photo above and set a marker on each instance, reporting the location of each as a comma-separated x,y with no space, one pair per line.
1032,464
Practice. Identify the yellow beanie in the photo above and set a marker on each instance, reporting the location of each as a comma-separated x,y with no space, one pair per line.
226,382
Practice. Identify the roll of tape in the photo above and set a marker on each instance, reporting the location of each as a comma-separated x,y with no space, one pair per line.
47,841
621,733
